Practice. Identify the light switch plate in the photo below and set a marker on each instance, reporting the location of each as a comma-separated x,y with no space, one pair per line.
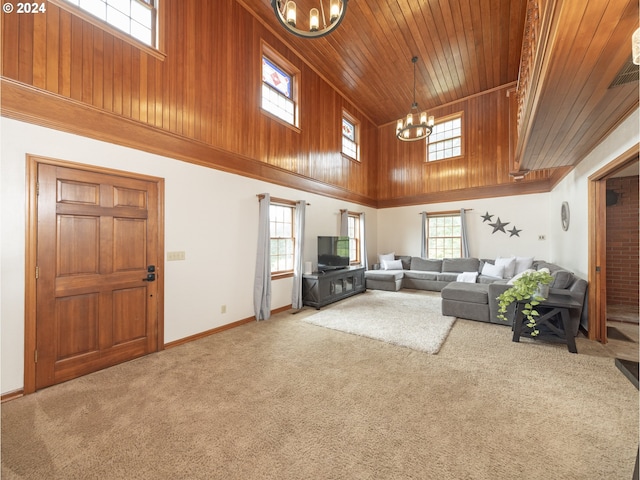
172,256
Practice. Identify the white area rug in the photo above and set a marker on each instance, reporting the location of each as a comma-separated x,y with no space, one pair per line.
409,318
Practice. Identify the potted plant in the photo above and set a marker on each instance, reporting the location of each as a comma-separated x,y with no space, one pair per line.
531,286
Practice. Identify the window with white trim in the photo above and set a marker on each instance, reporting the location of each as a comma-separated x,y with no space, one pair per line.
350,134
444,236
279,87
281,226
353,224
136,18
445,140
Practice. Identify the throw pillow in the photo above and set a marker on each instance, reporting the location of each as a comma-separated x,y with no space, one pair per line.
392,264
493,270
522,264
467,277
509,264
386,256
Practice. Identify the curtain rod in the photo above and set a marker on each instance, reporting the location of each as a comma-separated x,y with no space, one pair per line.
278,200
447,212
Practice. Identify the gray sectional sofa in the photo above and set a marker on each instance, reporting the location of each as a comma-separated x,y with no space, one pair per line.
475,298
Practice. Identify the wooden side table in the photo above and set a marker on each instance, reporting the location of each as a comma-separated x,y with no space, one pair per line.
556,321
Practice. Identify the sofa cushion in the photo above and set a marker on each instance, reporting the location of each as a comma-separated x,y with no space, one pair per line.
466,292
460,265
385,275
426,264
406,261
392,265
421,275
448,276
561,279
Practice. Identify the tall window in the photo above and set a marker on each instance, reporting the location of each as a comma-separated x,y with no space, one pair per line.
282,238
136,18
353,224
279,88
444,236
350,146
445,140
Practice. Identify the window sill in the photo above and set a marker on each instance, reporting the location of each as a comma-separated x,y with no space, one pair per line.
278,276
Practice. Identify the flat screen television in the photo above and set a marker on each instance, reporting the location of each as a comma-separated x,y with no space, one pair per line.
333,253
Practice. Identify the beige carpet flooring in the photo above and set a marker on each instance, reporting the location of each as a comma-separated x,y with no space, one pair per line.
283,399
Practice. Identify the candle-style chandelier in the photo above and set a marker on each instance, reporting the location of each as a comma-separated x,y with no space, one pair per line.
286,13
415,126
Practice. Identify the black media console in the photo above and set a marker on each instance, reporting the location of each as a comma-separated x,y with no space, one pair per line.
321,288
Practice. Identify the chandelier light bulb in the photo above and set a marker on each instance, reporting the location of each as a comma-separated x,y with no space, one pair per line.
334,10
409,119
291,13
314,20
635,46
423,119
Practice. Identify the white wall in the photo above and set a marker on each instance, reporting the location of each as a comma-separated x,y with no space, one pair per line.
400,228
210,215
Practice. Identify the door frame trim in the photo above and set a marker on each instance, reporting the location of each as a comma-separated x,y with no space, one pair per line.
597,305
31,200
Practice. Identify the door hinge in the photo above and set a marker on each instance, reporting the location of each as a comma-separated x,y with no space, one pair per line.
35,356
598,268
37,188
37,272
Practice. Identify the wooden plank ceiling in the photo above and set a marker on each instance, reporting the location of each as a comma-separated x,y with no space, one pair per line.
466,47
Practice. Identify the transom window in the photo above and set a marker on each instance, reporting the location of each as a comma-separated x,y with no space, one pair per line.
444,236
282,238
353,224
279,88
136,18
445,140
350,146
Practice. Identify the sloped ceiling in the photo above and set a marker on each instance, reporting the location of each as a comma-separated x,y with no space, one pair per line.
466,47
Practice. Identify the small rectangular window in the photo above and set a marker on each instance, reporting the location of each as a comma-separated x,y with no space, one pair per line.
282,238
278,87
353,223
136,18
445,140
444,236
350,146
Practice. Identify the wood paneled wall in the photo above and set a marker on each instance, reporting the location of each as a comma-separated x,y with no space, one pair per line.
207,91
406,177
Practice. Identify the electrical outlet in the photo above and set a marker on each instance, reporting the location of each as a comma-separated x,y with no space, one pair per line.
223,309
542,237
172,256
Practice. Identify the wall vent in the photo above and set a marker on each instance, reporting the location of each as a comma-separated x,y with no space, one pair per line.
629,73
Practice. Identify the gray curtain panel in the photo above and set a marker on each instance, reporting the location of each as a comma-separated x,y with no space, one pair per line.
344,223
298,269
363,244
463,234
423,242
262,279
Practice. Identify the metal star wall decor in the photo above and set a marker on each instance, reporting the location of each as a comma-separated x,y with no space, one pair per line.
486,217
499,226
514,231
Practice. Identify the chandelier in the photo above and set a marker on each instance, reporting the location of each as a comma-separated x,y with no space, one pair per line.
415,126
286,14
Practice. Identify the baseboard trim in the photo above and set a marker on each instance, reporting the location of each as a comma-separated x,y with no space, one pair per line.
213,331
12,395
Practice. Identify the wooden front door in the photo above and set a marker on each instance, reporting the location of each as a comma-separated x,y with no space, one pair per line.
97,257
